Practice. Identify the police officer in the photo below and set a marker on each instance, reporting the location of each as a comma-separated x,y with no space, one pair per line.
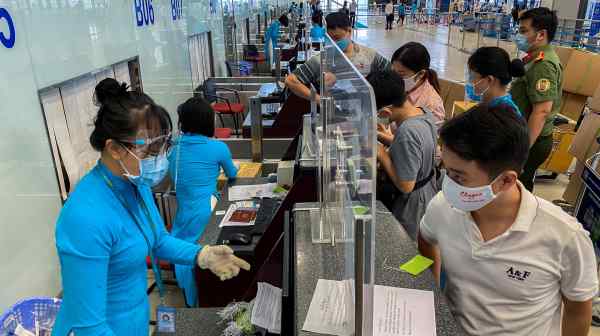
538,93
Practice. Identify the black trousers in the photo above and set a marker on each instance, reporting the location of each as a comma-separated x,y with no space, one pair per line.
353,19
538,154
389,20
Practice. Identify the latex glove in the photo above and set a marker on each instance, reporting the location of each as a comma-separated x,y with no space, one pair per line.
221,261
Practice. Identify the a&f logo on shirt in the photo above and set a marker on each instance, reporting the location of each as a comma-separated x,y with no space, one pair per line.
515,274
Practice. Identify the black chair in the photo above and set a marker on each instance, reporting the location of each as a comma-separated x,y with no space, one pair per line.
222,105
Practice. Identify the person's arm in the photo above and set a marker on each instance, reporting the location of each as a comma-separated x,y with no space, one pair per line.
432,252
577,317
388,166
297,87
84,246
543,88
427,238
227,162
537,119
578,283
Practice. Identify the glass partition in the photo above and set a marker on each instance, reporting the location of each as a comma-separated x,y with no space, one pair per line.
346,141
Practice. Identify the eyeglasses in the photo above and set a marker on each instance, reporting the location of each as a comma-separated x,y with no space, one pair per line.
145,147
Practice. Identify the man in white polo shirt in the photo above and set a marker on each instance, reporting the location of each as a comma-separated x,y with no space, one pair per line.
509,259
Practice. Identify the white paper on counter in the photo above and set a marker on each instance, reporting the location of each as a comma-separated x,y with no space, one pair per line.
246,192
402,311
266,312
331,309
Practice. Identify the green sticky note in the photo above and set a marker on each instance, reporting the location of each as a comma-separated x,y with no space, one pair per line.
417,265
360,210
279,190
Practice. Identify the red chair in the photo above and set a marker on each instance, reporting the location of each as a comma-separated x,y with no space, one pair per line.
222,133
222,105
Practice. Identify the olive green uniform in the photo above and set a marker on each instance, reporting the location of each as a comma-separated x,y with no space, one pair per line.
542,82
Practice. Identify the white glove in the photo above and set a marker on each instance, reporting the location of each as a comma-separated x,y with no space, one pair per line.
221,261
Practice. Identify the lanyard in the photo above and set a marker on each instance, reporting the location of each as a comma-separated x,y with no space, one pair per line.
138,223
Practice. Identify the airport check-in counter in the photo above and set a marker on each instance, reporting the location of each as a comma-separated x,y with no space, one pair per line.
331,228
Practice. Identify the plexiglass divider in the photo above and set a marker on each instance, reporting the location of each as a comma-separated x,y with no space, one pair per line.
345,141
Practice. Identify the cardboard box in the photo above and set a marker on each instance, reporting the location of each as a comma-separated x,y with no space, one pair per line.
460,107
564,54
594,102
247,170
575,185
572,105
584,143
451,91
582,73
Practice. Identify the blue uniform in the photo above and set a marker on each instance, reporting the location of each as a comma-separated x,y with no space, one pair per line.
271,37
506,100
317,33
195,165
103,256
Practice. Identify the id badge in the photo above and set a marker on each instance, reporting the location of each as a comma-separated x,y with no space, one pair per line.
165,319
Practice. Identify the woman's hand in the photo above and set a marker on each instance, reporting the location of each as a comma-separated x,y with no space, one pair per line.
220,260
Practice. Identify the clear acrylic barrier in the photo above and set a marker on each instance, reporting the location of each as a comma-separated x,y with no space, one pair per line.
346,143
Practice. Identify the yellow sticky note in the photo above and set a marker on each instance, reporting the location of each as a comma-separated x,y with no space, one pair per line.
417,265
360,210
279,190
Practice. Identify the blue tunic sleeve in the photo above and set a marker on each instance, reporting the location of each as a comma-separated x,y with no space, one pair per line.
226,161
84,252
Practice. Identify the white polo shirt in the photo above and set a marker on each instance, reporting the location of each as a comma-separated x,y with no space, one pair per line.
512,284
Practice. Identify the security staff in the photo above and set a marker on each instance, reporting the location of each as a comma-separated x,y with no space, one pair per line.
538,93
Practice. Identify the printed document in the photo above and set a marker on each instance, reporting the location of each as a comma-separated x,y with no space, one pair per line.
403,312
266,312
246,192
331,310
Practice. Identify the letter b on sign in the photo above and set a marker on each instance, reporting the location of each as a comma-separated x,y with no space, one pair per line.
144,12
7,40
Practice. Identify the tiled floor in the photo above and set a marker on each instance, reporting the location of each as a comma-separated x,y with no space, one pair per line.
449,62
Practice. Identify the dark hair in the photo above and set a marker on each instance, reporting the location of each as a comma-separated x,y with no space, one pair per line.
388,87
494,61
494,137
337,20
317,19
122,115
415,56
542,18
196,116
109,87
283,19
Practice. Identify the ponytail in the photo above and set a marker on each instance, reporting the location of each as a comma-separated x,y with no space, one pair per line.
432,78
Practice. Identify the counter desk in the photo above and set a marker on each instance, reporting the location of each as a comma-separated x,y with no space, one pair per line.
393,247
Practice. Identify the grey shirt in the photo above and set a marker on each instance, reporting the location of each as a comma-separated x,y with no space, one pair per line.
365,59
412,152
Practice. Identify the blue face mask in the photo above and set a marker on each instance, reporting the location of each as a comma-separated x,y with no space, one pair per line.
470,93
343,44
522,43
153,170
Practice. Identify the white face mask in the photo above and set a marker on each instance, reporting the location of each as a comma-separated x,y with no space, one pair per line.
410,82
467,199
